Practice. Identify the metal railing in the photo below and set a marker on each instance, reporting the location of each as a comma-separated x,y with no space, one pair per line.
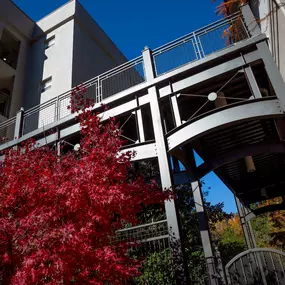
7,129
191,47
200,43
101,87
150,243
145,233
261,266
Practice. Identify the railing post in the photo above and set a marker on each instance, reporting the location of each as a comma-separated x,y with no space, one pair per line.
250,21
148,64
57,109
220,267
179,263
19,124
196,43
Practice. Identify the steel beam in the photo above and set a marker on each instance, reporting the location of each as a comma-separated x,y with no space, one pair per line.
249,110
124,95
206,74
272,72
166,183
269,208
142,151
180,265
175,110
252,82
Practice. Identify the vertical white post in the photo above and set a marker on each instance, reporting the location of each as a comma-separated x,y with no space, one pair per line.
165,175
19,124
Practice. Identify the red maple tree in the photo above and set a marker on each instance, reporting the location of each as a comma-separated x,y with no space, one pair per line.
58,215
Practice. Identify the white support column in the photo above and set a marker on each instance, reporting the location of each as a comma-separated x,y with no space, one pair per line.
165,175
175,109
19,124
140,125
252,82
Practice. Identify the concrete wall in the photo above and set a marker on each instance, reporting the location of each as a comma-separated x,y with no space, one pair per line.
272,23
20,79
94,52
1,28
54,62
81,51
277,38
21,27
14,17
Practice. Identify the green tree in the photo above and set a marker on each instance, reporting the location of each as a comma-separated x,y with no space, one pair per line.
157,268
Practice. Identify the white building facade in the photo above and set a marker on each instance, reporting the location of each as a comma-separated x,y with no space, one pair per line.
41,60
271,15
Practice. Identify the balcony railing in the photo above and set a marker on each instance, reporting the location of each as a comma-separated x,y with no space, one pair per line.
192,47
199,44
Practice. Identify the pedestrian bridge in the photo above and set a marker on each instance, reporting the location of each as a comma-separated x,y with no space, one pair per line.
216,90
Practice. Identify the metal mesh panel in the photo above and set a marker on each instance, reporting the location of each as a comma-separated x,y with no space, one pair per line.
150,242
39,117
279,262
274,264
257,267
63,107
177,55
92,92
7,130
199,44
227,33
145,232
121,79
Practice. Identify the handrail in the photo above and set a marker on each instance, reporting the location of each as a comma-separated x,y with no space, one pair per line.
222,21
8,122
143,226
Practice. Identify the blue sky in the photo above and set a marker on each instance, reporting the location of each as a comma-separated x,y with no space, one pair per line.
132,25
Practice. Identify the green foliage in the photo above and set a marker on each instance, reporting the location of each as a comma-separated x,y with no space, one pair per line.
157,270
262,227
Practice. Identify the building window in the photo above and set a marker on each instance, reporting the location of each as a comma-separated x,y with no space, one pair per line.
46,84
49,42
9,49
4,102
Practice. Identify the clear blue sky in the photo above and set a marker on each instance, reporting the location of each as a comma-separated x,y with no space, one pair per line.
132,25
